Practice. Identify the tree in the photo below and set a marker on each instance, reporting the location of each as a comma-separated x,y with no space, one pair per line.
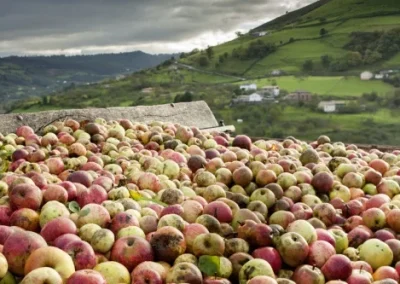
326,60
221,59
291,40
308,65
186,97
210,52
322,20
203,61
353,59
239,34
323,32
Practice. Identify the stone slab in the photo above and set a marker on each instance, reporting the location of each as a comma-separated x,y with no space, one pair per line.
192,114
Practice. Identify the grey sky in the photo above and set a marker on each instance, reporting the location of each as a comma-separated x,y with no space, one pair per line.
154,26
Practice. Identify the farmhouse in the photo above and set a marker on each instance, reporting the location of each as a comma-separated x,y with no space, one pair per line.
366,75
272,90
299,96
331,106
264,33
276,72
253,98
249,87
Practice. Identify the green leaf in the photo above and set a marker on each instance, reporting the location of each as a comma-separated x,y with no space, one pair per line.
209,264
74,207
135,195
84,212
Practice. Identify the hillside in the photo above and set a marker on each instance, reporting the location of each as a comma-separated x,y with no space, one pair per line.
324,28
321,49
26,76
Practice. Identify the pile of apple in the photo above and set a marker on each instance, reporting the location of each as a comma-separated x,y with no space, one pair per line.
117,202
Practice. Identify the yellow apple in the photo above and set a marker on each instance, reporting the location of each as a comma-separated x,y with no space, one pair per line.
3,265
114,272
376,253
42,275
51,257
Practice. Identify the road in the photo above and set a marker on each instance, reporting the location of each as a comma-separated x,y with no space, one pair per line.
209,72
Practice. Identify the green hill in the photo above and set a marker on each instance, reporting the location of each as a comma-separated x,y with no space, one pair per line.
321,48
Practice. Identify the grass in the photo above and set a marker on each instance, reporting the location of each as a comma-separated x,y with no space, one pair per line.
337,86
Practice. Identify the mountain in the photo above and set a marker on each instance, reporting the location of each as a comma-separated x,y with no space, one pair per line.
34,75
320,49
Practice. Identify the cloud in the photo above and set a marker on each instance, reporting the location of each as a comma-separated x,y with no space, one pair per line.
92,26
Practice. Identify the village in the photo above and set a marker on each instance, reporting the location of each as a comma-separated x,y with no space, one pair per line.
253,94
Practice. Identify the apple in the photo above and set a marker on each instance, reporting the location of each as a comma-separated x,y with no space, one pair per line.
25,196
18,247
102,240
376,253
386,272
208,244
303,228
253,268
337,267
308,274
131,251
320,252
168,243
81,253
3,265
87,276
95,214
293,248
184,272
271,255
43,275
113,272
51,257
149,272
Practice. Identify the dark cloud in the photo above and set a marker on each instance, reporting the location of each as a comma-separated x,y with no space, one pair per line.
51,26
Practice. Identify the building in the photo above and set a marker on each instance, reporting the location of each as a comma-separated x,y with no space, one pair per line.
147,90
120,77
299,96
366,75
253,98
272,90
331,106
276,72
249,87
264,33
379,76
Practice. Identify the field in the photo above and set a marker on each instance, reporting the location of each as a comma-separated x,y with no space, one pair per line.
379,127
338,86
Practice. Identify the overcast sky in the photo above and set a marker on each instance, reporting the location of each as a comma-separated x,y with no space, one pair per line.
154,26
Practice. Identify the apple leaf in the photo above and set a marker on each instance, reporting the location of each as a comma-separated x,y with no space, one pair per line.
74,207
135,195
209,264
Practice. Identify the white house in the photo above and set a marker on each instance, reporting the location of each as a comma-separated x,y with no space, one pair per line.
255,98
379,76
249,87
366,75
260,33
273,90
331,106
276,72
